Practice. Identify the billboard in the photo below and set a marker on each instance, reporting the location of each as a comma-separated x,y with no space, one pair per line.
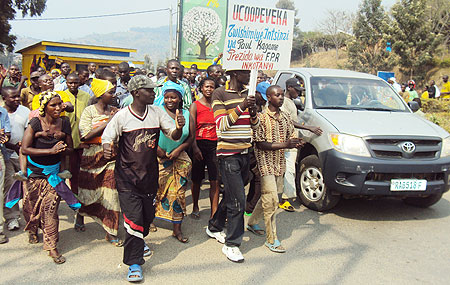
258,38
202,31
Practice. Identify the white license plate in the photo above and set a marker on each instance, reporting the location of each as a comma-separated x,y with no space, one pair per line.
408,184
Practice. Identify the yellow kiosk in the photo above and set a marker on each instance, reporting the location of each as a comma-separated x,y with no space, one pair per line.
47,54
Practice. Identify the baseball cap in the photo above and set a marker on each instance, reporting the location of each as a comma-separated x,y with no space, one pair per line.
294,82
262,88
140,81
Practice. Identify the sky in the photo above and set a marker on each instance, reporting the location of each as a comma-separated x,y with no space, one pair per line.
311,13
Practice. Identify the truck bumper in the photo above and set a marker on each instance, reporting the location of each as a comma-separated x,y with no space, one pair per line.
367,176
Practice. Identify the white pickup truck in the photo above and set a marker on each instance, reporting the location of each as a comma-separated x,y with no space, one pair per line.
372,143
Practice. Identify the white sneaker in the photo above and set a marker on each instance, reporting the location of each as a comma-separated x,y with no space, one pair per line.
219,236
233,253
13,225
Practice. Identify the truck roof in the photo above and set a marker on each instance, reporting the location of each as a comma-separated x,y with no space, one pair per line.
327,72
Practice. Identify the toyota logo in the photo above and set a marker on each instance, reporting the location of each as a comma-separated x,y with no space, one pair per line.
408,147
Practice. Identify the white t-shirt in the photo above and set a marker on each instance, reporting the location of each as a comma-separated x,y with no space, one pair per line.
19,122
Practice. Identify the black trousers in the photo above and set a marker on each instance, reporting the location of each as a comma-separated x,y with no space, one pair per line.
138,213
234,171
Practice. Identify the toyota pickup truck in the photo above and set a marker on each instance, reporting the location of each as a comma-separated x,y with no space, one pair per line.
373,144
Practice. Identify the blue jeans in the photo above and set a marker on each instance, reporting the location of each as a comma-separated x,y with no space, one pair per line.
234,170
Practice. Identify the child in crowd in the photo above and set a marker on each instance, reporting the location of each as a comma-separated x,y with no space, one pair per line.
136,128
274,133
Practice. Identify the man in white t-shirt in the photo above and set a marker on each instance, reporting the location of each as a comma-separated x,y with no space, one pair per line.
293,90
18,117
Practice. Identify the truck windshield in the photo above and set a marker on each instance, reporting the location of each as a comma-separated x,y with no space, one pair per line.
355,94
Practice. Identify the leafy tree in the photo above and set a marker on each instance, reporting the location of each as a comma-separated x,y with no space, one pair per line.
412,37
8,12
367,50
202,26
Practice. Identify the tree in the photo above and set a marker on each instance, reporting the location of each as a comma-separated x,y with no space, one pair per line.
412,37
202,26
8,12
338,25
367,50
439,14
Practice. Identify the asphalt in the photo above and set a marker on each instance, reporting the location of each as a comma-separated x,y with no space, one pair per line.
358,242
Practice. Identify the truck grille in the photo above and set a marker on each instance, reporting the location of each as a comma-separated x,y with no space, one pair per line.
376,176
391,147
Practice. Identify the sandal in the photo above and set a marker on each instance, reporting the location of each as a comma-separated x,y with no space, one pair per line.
147,251
153,228
256,229
115,241
195,215
134,273
33,238
180,238
286,206
58,259
275,247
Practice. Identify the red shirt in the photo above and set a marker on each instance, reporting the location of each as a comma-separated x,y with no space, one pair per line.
206,125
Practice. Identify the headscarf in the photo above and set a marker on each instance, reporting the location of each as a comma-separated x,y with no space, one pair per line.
174,87
169,86
100,87
57,70
45,98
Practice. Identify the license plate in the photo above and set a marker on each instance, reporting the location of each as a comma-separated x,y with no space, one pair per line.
408,184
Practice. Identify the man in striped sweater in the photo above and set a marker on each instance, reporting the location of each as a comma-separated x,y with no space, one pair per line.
235,113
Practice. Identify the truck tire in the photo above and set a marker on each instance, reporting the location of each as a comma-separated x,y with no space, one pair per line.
311,189
423,202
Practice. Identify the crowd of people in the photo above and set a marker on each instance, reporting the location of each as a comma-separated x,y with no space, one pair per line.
409,92
130,142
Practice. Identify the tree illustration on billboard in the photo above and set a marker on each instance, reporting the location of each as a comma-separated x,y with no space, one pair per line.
202,26
202,31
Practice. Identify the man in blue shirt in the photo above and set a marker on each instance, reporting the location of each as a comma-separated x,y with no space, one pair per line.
122,83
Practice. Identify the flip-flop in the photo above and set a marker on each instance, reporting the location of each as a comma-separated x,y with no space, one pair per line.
287,206
179,237
58,259
256,229
134,273
195,215
116,242
147,251
275,247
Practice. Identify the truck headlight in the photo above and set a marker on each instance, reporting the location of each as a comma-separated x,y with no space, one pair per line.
349,144
445,147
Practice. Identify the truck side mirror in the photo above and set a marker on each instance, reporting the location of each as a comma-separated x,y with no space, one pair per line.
414,106
298,103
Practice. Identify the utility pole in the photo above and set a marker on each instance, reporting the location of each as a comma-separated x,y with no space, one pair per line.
170,33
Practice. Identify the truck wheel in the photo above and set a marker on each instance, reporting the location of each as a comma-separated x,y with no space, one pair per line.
311,188
423,202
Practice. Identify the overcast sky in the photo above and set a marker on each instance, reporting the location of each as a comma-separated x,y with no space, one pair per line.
311,13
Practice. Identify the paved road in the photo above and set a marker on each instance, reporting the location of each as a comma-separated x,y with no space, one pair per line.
360,242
